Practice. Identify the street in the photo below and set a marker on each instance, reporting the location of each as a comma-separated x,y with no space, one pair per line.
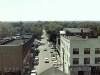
42,66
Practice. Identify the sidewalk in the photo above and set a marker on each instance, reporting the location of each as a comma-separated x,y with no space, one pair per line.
59,63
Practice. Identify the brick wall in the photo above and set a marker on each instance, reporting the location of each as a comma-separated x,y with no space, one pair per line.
12,57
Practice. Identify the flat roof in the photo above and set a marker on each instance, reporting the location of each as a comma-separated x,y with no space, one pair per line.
75,37
15,42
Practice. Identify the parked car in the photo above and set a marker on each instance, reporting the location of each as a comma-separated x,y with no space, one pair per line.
36,62
53,58
34,72
55,62
56,66
36,58
51,51
52,55
37,51
46,60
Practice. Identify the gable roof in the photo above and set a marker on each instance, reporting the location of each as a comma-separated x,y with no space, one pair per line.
52,71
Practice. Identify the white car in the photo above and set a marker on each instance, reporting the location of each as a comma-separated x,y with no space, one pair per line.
53,58
34,72
36,58
54,62
46,60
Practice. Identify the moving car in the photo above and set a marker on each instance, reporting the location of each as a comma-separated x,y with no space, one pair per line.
45,49
46,60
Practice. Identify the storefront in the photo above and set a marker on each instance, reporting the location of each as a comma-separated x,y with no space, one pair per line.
80,70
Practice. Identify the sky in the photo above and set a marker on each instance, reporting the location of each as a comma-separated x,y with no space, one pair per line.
49,10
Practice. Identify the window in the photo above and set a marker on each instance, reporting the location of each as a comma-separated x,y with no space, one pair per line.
75,60
97,60
97,50
75,50
86,50
86,60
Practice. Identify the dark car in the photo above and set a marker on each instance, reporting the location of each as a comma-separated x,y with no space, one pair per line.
37,51
52,55
45,49
36,62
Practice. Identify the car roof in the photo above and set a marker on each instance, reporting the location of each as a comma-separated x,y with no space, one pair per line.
53,57
36,58
46,58
54,61
34,71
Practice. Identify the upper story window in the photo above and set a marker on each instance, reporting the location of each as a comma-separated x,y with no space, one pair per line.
75,50
97,60
86,60
97,50
86,50
75,60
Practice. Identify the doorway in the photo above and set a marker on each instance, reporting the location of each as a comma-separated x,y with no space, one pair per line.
80,72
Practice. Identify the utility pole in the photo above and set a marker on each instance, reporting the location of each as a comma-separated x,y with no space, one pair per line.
63,59
2,62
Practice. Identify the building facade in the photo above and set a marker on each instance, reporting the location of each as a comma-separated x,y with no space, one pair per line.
80,56
13,54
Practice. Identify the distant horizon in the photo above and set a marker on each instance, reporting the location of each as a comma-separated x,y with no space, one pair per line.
52,21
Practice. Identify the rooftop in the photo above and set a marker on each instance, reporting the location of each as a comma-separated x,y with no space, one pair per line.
75,30
52,71
15,40
73,37
80,38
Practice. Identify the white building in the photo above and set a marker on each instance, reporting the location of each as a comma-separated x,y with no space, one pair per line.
80,56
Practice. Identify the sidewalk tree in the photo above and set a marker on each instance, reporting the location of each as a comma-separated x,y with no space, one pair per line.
52,30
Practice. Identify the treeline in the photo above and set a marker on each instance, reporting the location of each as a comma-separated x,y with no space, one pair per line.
6,29
33,27
54,27
10,28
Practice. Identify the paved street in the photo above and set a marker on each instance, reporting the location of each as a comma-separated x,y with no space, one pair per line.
42,66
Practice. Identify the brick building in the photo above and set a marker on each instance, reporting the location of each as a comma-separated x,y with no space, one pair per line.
13,54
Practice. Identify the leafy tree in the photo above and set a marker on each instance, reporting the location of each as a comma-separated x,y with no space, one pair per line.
52,30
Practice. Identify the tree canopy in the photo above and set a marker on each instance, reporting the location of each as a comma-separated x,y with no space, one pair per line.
52,30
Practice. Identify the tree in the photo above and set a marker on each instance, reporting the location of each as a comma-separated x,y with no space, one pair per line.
52,30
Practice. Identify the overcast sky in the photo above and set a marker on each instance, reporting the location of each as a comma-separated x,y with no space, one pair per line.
49,10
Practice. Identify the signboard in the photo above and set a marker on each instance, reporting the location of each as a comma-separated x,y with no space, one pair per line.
80,68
